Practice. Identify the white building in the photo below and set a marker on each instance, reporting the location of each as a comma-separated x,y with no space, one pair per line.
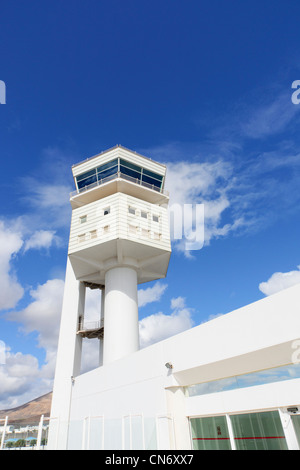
231,383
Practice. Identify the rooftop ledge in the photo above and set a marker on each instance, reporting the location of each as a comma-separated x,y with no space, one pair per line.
118,182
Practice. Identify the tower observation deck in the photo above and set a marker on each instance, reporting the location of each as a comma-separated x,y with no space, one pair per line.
119,217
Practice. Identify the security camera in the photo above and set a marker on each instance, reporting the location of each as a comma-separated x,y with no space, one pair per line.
169,365
293,409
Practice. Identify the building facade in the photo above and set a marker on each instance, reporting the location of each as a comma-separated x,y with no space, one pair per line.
231,383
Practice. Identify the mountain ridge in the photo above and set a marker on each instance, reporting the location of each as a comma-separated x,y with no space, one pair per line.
29,412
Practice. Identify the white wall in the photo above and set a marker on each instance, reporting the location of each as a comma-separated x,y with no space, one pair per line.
256,336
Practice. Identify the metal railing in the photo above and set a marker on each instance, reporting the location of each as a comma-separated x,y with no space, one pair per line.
90,325
116,176
24,435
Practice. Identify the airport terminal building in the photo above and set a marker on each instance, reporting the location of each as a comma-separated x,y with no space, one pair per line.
232,383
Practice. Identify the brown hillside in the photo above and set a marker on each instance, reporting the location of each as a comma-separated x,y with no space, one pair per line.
29,413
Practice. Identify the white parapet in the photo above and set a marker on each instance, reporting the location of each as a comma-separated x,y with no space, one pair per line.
121,314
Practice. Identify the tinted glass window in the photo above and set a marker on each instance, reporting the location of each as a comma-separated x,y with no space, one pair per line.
151,181
258,431
87,181
210,433
109,172
152,175
130,165
129,172
107,165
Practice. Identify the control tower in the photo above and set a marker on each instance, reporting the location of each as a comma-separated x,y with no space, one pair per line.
119,238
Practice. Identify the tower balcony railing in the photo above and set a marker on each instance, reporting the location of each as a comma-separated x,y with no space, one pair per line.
90,325
117,175
91,329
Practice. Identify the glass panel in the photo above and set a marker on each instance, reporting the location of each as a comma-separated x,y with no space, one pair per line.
130,165
109,172
87,181
107,165
258,431
137,432
210,433
126,431
150,434
151,181
113,434
75,435
127,171
296,423
247,380
152,175
96,434
86,175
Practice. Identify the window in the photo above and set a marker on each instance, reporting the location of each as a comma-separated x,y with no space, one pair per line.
81,238
155,218
83,219
132,229
106,229
129,169
86,179
106,211
250,431
258,431
210,433
152,179
93,234
106,170
144,214
131,210
145,233
156,236
122,168
296,423
275,374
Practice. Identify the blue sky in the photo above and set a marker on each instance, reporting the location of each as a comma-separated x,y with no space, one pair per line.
203,86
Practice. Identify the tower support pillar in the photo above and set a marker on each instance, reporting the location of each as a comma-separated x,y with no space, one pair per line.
121,328
68,359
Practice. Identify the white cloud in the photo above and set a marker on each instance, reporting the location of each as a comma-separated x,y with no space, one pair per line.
43,313
41,239
269,118
21,377
159,326
18,379
10,244
151,294
177,303
48,204
279,281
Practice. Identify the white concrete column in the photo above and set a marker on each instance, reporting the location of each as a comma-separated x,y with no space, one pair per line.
40,433
289,431
3,433
121,328
101,320
68,360
176,408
